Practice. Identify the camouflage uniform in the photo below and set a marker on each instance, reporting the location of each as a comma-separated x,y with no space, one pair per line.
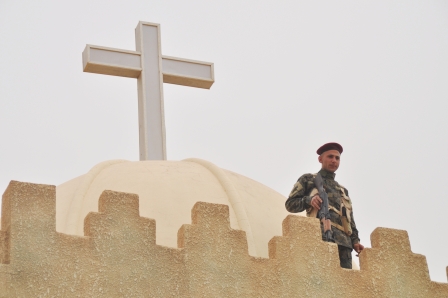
299,200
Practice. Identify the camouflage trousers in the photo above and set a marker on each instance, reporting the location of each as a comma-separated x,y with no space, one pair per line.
345,256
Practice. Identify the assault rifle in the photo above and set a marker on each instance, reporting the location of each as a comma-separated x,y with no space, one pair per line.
324,212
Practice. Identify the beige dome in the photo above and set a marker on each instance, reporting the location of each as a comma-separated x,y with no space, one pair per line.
168,190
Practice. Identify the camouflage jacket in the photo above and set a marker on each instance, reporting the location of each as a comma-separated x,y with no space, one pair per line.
299,200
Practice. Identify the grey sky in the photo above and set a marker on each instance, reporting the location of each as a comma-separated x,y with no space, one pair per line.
290,76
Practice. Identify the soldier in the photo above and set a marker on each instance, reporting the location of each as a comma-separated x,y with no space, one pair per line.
304,196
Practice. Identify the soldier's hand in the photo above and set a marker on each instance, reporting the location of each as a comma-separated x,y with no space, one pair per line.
358,247
316,201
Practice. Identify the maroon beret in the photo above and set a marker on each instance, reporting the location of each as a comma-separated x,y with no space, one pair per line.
329,146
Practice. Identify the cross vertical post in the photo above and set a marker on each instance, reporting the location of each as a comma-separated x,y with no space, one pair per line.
151,115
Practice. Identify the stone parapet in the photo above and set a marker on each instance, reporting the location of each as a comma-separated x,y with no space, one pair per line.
119,257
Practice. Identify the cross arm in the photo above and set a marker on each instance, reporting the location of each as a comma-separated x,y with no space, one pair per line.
187,72
123,63
111,61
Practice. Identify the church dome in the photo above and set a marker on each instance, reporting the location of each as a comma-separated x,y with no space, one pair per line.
168,190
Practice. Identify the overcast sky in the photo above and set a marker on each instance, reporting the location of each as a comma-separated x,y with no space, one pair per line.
290,76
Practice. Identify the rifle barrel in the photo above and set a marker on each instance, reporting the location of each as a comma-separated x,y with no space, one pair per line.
324,211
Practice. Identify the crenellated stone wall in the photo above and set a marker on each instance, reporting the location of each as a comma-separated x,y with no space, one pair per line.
119,257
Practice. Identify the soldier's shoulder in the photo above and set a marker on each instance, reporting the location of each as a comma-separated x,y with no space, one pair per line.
307,177
344,188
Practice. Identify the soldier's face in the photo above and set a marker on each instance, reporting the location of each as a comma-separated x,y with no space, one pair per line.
330,160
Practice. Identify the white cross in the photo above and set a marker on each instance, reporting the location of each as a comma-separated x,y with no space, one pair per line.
151,70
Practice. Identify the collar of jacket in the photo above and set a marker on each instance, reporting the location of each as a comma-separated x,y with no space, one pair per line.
326,174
